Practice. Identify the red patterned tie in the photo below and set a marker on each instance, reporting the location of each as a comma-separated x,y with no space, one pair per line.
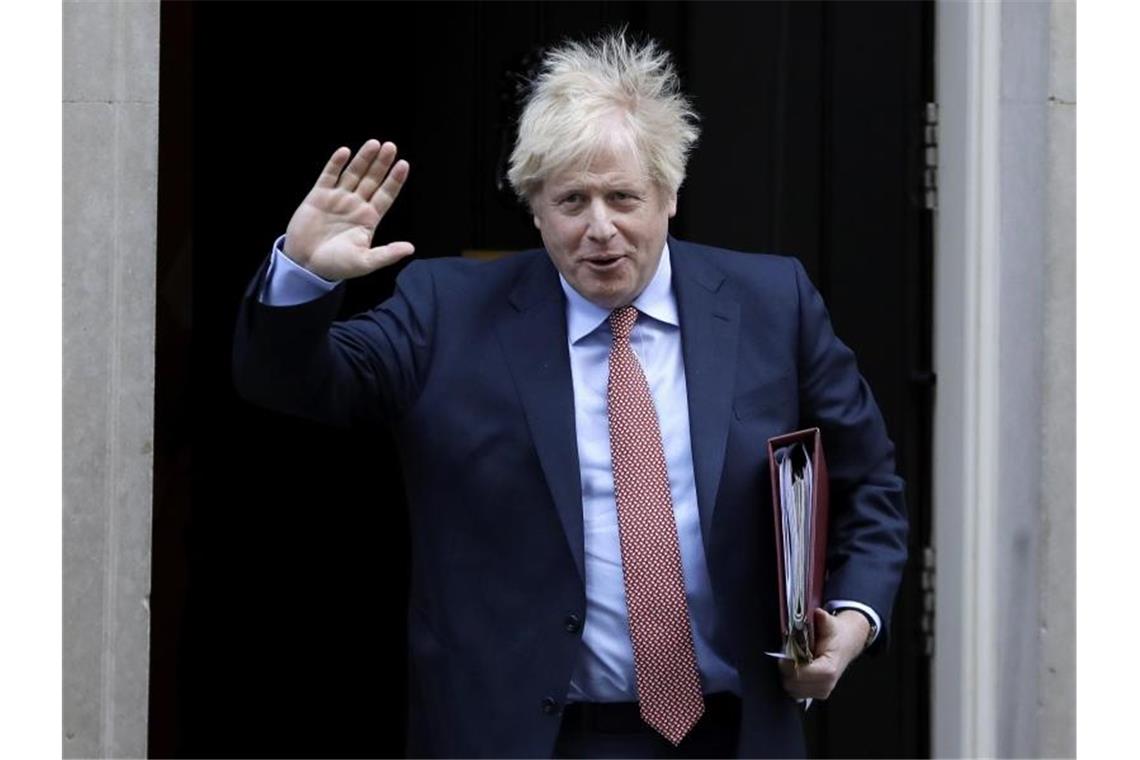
668,685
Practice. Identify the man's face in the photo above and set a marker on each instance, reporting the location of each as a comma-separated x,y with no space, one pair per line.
604,226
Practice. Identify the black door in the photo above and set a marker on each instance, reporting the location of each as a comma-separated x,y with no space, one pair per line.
280,568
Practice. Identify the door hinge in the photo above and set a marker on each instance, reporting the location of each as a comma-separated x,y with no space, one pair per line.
928,600
930,157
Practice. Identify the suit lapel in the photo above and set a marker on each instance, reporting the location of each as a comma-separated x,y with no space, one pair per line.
533,336
710,328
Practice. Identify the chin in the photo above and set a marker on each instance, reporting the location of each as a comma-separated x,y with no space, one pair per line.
609,299
608,292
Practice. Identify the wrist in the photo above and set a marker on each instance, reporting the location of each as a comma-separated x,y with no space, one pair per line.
861,625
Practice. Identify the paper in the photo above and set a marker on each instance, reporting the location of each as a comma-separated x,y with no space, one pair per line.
795,470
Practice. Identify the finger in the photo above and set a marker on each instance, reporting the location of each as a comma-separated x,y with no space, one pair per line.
359,165
332,169
804,691
388,191
376,171
803,673
804,685
792,678
798,691
795,683
386,255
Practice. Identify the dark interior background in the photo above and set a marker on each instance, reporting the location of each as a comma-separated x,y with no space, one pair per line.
280,564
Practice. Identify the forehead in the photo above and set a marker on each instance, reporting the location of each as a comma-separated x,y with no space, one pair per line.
607,167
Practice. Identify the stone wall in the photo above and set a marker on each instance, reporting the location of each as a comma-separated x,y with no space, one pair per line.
110,181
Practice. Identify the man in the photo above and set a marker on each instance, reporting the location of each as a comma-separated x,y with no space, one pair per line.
582,430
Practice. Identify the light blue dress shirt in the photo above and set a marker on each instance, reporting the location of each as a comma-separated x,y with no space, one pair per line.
605,669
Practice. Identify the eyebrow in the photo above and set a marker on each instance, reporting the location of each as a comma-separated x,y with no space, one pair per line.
608,185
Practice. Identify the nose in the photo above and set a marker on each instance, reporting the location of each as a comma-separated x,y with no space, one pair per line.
601,226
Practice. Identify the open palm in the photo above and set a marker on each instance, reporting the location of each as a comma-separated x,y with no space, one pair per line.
330,233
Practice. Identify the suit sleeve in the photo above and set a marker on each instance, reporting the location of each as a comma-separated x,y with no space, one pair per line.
352,373
867,542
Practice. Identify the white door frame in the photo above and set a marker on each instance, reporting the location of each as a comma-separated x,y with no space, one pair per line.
964,697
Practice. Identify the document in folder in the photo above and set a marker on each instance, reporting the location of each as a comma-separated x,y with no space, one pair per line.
799,506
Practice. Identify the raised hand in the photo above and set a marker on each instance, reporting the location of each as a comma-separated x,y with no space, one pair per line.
330,233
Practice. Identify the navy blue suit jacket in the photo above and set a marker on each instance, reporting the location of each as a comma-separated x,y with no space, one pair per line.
469,366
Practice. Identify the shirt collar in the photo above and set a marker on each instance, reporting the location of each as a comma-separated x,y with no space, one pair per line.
656,301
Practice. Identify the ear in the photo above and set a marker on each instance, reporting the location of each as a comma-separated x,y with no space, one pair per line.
671,204
531,200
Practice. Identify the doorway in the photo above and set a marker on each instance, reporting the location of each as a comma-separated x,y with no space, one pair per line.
279,561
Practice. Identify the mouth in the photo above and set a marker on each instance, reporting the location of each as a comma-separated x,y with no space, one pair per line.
603,263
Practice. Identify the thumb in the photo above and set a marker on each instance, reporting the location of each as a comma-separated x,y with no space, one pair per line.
386,255
825,624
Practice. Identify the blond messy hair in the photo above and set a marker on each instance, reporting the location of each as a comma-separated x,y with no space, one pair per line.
581,90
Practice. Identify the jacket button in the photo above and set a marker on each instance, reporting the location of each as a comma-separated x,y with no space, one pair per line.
549,705
572,623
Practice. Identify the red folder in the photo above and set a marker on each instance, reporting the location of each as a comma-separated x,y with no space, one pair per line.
799,638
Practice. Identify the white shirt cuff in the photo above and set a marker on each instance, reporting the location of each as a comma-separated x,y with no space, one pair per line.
846,604
288,283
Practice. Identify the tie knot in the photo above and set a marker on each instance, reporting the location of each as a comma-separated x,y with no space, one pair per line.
621,321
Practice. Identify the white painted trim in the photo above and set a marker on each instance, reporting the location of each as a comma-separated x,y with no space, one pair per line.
966,347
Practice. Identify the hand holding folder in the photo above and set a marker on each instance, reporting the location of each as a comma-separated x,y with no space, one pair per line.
799,509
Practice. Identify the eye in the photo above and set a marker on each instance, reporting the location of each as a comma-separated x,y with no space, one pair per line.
570,198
